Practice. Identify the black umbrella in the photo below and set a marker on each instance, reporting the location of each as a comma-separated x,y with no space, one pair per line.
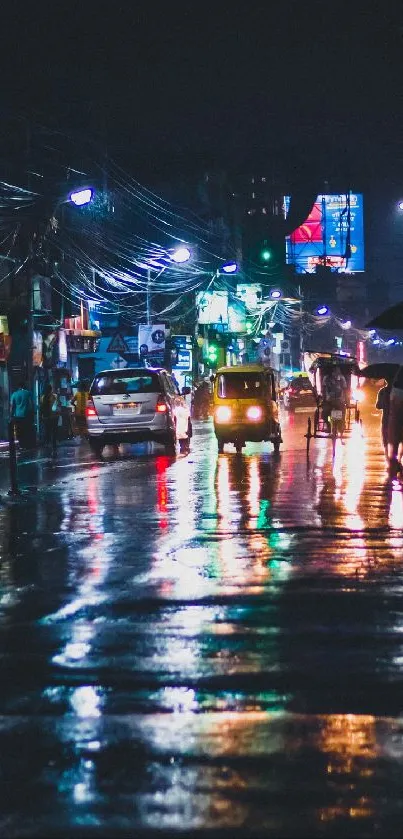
391,318
380,370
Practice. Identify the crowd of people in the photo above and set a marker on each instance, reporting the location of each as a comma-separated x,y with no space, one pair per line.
52,413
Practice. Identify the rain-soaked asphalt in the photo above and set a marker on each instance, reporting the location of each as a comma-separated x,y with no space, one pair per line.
207,644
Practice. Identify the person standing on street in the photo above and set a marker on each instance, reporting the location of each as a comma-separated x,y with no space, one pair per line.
395,424
50,414
22,413
383,404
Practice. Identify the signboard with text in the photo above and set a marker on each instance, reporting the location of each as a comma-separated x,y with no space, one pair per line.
331,236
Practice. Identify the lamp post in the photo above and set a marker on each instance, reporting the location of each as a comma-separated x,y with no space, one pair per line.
79,198
179,256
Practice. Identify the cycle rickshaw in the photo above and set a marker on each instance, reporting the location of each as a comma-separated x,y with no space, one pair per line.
329,423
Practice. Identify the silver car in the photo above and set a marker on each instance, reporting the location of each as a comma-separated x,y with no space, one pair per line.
133,405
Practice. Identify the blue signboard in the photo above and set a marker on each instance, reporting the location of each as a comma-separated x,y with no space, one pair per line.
331,236
184,361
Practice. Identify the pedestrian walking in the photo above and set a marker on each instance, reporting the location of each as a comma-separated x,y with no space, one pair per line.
79,402
383,404
22,414
395,424
51,414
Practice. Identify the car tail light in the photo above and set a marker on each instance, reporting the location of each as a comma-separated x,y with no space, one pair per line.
223,413
90,409
161,406
254,412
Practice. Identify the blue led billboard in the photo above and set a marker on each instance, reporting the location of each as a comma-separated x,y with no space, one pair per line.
332,235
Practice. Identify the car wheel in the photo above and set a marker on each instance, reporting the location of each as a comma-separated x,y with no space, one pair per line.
276,446
190,429
238,448
184,445
220,445
95,446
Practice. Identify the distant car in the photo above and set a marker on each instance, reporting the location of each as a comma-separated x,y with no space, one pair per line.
299,394
135,404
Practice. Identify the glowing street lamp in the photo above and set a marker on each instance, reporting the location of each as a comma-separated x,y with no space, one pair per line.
322,310
181,255
346,324
80,197
229,268
276,293
400,206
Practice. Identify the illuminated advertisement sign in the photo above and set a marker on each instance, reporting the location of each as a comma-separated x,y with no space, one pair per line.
250,293
236,316
212,306
332,235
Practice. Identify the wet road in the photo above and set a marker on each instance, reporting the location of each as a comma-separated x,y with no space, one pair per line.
209,644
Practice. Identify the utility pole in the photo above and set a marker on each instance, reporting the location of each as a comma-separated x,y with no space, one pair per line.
148,294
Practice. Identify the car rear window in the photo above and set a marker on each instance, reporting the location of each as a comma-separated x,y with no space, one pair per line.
107,384
240,385
303,384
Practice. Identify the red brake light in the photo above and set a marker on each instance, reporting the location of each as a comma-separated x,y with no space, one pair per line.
161,406
90,410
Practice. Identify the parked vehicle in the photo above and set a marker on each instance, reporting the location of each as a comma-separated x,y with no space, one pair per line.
133,405
245,406
299,394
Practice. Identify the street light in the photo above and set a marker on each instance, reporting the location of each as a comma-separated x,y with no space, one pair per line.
229,268
400,206
80,197
346,324
276,293
322,310
180,255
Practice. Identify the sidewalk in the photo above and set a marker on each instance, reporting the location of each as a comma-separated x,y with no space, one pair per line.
30,463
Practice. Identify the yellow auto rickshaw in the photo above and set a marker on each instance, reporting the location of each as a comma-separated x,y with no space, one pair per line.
245,406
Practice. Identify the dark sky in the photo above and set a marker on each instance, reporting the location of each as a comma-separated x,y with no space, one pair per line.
317,84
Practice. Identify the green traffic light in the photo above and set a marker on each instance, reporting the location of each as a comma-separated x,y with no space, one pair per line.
266,255
212,353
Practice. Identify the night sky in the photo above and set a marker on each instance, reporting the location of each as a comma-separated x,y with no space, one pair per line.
317,81
314,86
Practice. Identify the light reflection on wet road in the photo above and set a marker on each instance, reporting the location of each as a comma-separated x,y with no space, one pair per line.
212,643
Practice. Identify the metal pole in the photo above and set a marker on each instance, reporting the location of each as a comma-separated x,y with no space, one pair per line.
12,460
148,297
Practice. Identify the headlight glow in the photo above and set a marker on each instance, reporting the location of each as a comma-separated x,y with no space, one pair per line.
254,412
223,413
